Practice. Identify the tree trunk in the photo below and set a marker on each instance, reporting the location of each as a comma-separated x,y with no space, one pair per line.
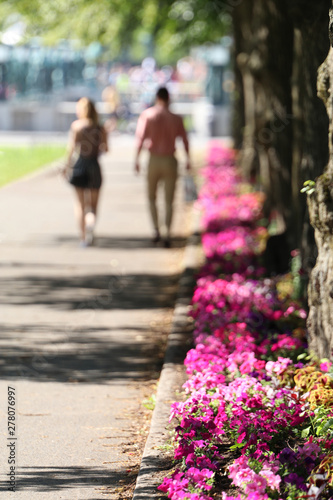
264,33
320,319
244,42
238,105
310,121
280,45
271,66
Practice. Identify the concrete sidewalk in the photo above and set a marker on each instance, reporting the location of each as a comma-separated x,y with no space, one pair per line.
80,328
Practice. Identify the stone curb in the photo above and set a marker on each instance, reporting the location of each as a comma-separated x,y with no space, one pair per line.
173,373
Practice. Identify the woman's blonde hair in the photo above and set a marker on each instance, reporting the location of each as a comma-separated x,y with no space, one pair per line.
86,109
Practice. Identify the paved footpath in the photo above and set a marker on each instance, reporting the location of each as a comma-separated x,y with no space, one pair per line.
80,329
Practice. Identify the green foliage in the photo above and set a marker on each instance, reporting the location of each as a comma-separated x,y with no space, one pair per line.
322,422
236,446
308,187
150,402
164,29
297,277
294,493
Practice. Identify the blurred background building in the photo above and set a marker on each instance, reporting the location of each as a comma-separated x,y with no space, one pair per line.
39,86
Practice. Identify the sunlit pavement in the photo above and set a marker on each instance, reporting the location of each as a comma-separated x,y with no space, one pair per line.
80,328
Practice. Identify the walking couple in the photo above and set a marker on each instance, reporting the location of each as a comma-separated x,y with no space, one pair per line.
157,130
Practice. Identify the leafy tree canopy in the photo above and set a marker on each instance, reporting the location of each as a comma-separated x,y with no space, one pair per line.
162,28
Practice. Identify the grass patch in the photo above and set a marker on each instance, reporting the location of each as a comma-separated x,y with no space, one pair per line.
18,161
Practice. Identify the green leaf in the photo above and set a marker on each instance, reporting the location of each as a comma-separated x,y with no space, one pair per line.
236,446
305,432
323,429
308,187
150,402
302,356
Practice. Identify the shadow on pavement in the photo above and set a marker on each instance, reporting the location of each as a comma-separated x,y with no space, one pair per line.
48,479
125,243
74,343
92,292
82,357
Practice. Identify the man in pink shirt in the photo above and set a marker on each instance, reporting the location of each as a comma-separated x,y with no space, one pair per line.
157,130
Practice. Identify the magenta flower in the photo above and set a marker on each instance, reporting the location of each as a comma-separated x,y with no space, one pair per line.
239,371
325,366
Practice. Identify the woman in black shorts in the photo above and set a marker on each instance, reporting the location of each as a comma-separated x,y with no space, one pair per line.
89,139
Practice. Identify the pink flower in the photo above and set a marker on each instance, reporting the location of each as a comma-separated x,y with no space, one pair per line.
286,342
258,484
243,476
325,366
241,437
277,315
232,389
257,496
273,480
277,367
289,311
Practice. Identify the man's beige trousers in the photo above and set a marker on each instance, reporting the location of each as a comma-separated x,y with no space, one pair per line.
162,168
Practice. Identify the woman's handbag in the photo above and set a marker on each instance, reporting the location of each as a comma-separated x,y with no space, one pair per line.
79,174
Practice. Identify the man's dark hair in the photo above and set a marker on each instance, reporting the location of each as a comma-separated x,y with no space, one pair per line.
163,94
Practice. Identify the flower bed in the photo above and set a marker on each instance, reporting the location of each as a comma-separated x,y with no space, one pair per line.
253,392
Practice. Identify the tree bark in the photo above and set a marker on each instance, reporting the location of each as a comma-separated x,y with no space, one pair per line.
271,66
244,43
265,59
279,47
310,121
320,318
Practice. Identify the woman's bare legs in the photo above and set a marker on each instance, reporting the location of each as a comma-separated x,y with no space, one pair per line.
80,211
90,214
86,209
94,197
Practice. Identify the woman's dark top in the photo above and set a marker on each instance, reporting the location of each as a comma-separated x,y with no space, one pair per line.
86,171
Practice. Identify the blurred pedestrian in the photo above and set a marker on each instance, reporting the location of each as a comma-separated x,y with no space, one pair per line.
112,101
88,139
157,130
